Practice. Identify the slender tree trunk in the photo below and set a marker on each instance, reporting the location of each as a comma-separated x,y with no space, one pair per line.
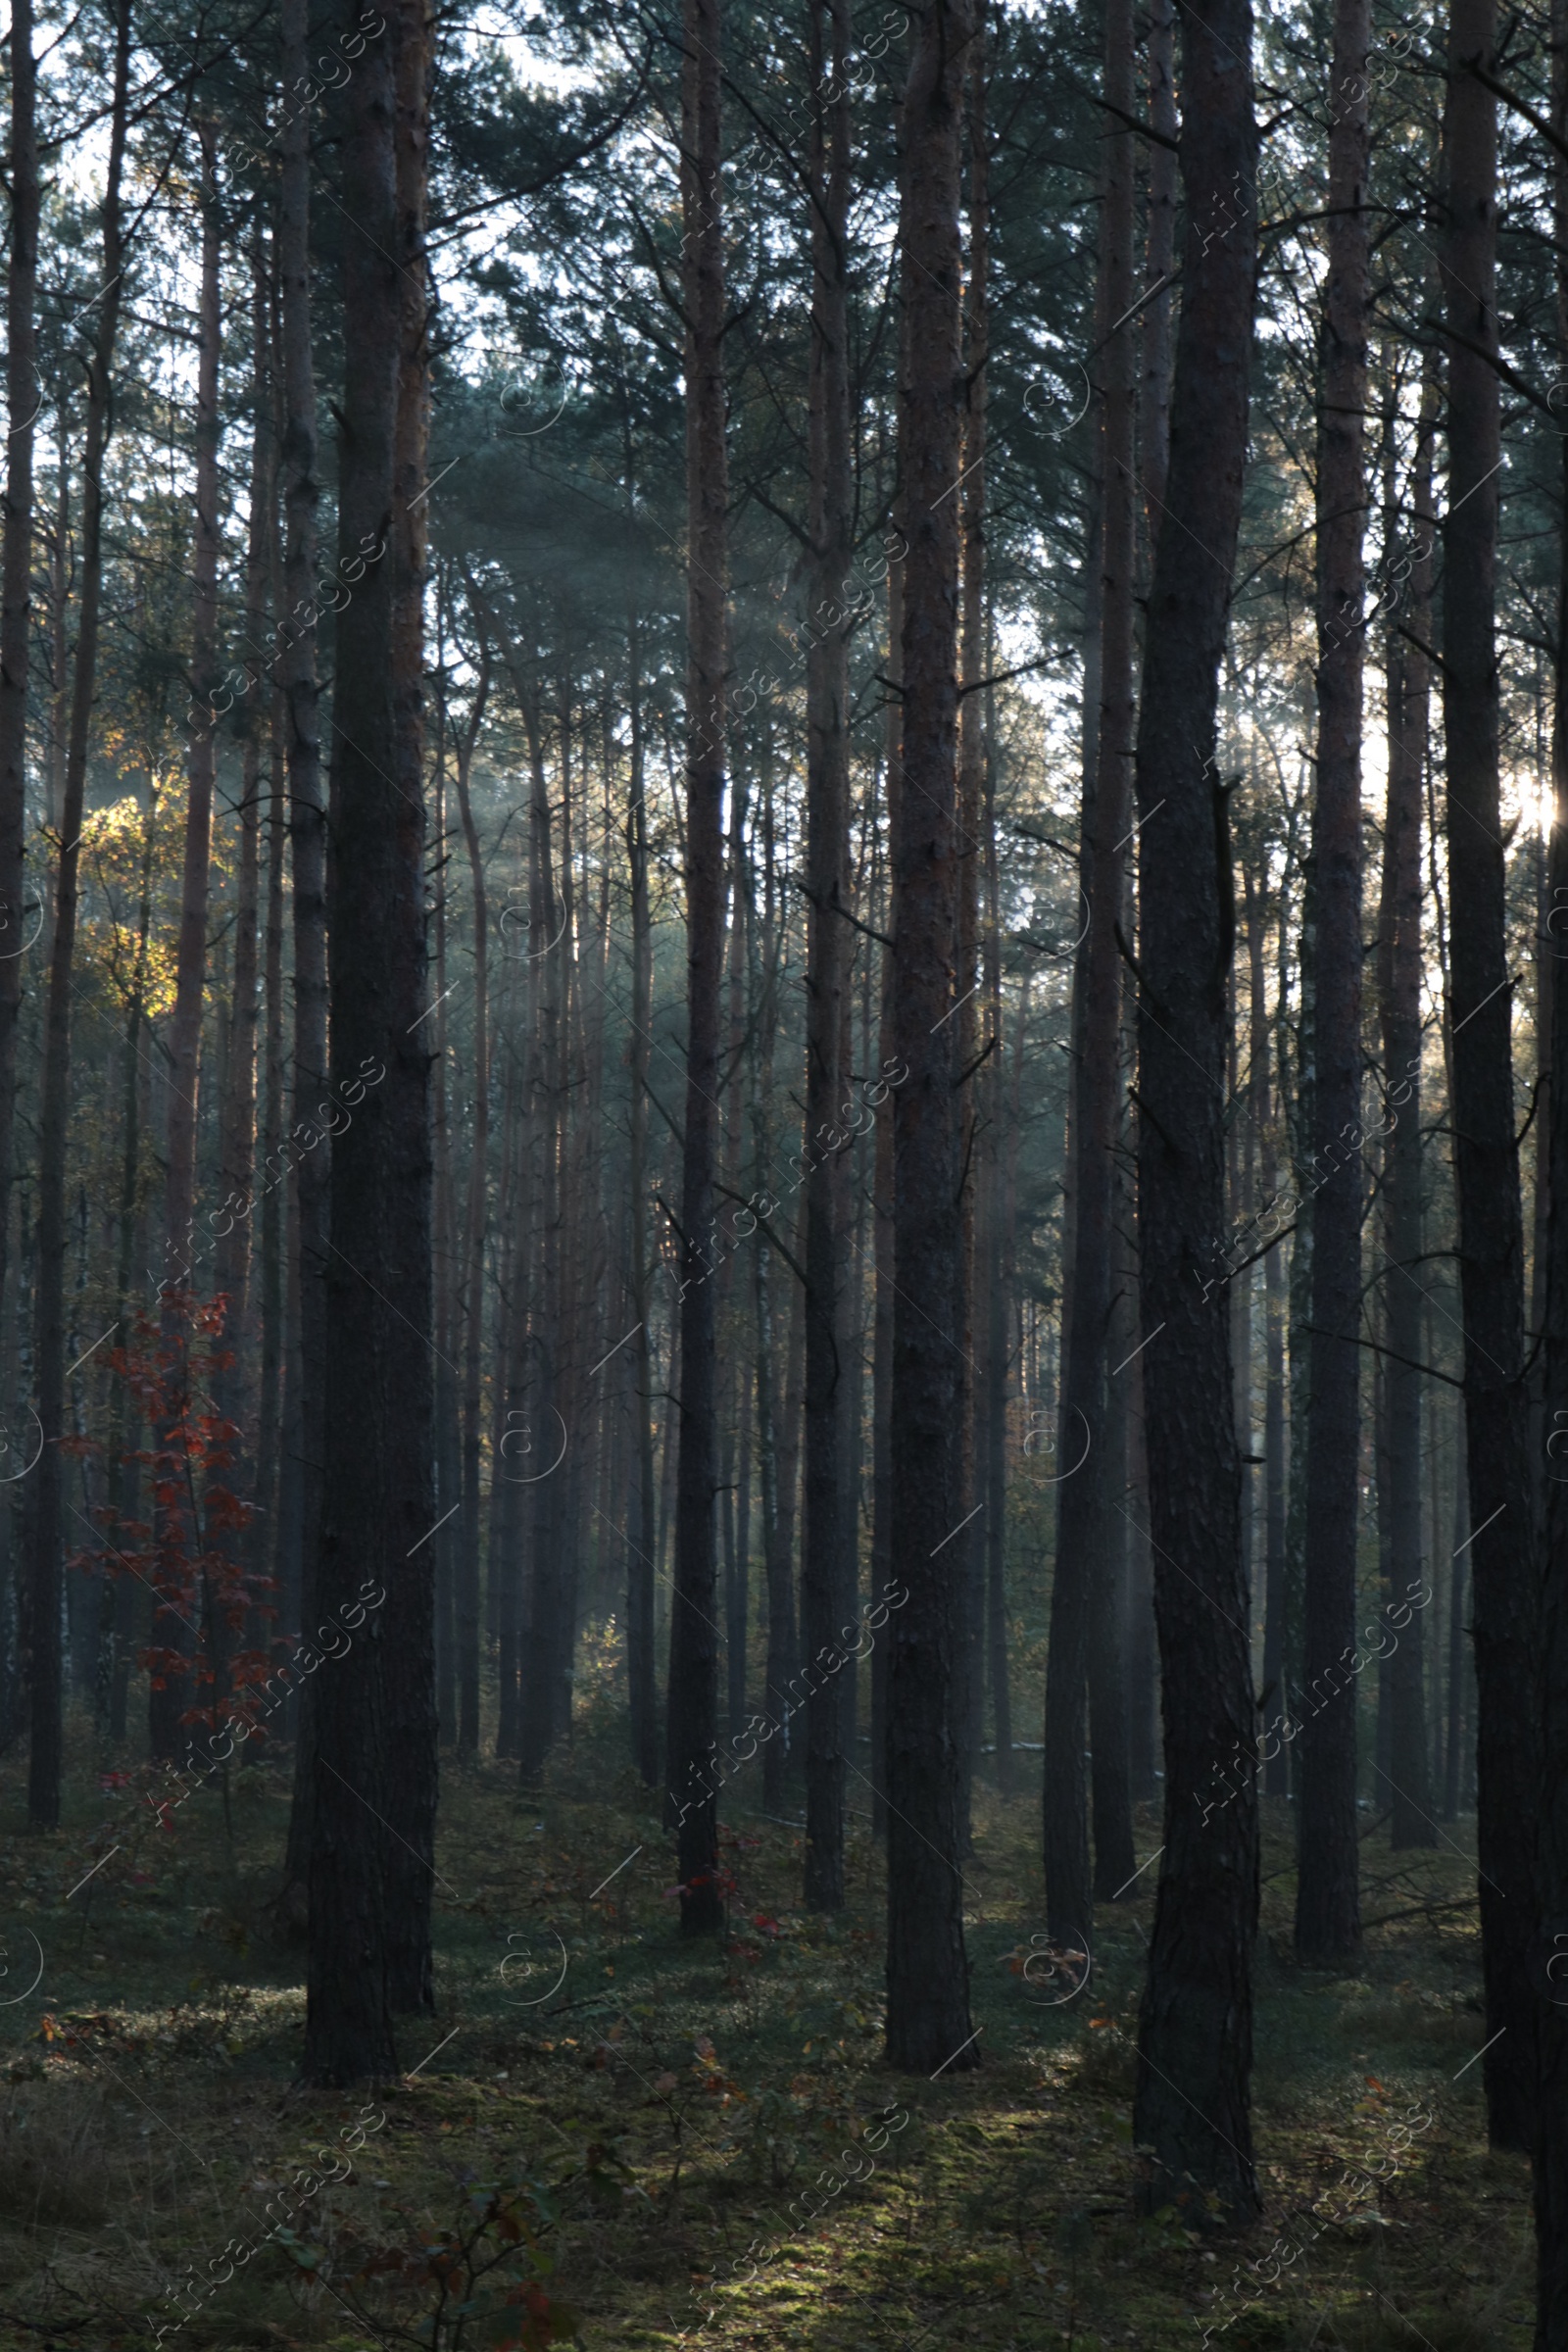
408,1658
54,1090
1002,1146
1275,1771
312,1176
1486,1157
1328,1903
1154,407
693,1661
882,1195
15,578
1407,686
640,1654
824,1581
471,1292
928,1971
1196,2029
1084,1498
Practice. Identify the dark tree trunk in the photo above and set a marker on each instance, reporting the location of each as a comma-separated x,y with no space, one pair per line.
1328,1902
640,1655
1275,1771
15,578
885,1231
1086,1496
927,1969
471,1292
825,1582
311,1175
53,1089
1550,1694
1409,1788
1486,1157
693,1662
375,1748
1196,2029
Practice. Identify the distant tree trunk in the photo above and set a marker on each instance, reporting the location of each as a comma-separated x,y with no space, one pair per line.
693,1660
1328,1903
824,1581
53,1089
311,1175
883,1205
1486,1157
1085,1501
447,1436
1406,687
114,1666
408,1658
1275,1771
640,1657
271,1485
1196,2029
15,578
928,1971
376,1488
1002,1146
473,1232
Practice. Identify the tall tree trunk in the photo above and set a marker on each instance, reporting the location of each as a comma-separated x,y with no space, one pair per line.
640,1655
411,1753
471,1292
927,1969
1195,2049
1084,1498
54,1090
1406,687
693,1661
1486,1157
1276,1772
825,1583
311,1175
377,1485
1002,1149
1551,2148
1328,1902
1154,407
15,578
883,1204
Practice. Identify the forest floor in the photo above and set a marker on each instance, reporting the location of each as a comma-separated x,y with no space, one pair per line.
618,2129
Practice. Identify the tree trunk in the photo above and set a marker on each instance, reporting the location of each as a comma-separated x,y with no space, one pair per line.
471,1292
640,1654
1275,1771
1486,1157
1328,1902
1196,2029
1084,1498
375,1741
1407,686
413,1735
824,1580
54,1090
927,1969
311,1175
883,1204
15,578
693,1661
